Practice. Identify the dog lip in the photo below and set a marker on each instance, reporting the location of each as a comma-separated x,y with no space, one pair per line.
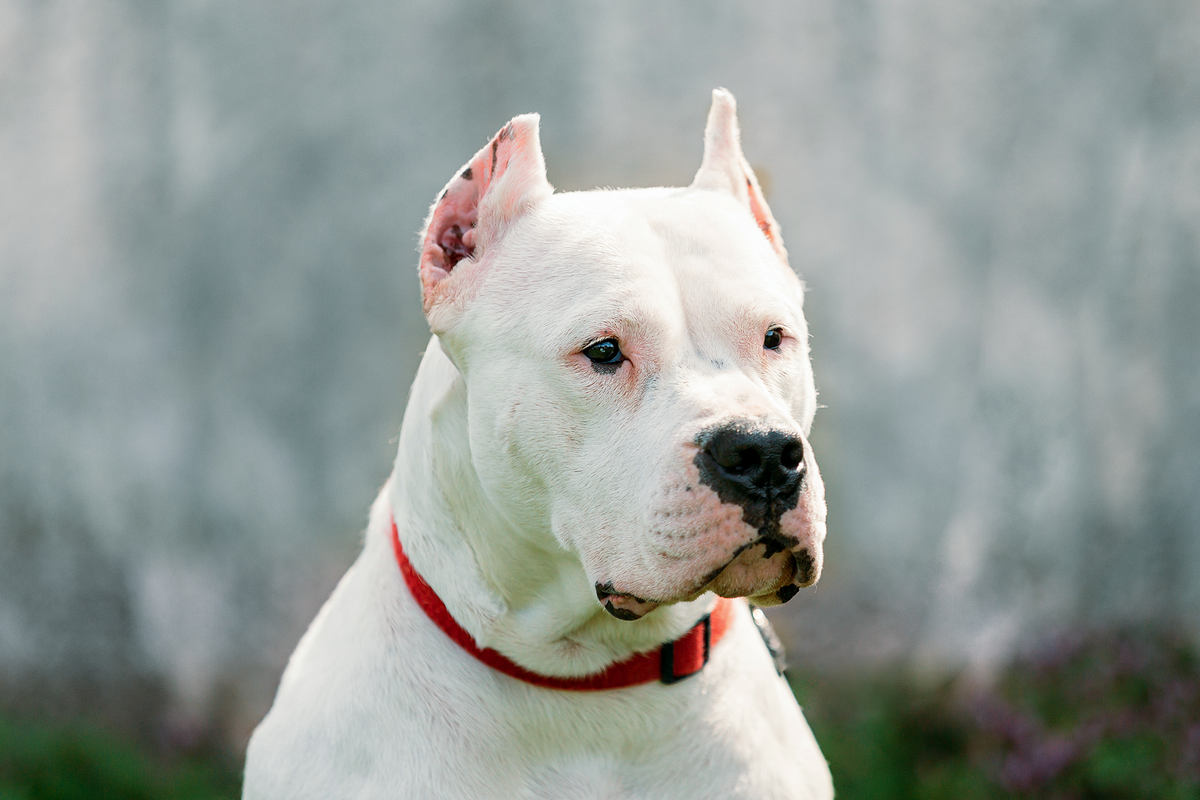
703,584
802,568
787,591
623,606
625,614
606,591
771,545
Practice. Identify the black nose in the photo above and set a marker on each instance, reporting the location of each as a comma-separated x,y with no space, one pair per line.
748,464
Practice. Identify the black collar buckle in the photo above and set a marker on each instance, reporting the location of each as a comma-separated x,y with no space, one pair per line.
688,654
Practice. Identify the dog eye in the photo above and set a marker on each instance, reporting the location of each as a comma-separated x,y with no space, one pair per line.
773,339
606,351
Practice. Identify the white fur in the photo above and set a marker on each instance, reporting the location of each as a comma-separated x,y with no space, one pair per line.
524,478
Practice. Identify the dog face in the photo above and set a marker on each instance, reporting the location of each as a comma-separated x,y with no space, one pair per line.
637,371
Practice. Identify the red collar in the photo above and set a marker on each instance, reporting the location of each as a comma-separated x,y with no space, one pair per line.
668,663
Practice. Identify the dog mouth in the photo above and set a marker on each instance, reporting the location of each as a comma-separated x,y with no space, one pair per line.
759,570
623,605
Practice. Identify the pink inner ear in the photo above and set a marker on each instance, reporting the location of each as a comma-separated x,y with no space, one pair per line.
451,235
761,216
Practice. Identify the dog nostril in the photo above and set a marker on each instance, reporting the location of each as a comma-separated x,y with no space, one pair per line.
792,456
734,457
748,460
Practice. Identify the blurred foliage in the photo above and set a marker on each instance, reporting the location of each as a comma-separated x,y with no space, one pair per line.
75,761
1097,715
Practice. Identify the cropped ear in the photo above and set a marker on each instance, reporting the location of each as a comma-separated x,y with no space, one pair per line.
472,213
725,169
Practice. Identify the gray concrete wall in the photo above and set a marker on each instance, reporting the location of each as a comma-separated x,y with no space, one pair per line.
209,312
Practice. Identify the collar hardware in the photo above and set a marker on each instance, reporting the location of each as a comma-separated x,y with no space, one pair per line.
687,655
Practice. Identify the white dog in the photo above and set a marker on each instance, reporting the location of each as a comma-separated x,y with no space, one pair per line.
606,439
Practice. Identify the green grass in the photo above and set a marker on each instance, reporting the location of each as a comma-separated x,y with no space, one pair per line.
73,761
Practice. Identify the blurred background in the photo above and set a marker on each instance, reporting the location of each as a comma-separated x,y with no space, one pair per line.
210,317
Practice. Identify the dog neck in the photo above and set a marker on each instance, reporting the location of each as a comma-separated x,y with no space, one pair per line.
514,590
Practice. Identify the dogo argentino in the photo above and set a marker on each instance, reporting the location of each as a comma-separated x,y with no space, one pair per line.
606,441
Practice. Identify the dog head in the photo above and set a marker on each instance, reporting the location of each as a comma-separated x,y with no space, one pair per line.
637,370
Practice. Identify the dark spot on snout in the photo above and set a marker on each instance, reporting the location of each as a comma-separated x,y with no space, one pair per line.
806,567
805,571
774,540
760,469
467,174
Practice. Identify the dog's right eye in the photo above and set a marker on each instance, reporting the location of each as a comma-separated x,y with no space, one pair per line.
606,352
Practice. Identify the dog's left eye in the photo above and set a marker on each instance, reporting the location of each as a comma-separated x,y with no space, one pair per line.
773,339
606,351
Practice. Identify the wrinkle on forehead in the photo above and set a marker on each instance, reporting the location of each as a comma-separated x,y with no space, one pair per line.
643,263
729,276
